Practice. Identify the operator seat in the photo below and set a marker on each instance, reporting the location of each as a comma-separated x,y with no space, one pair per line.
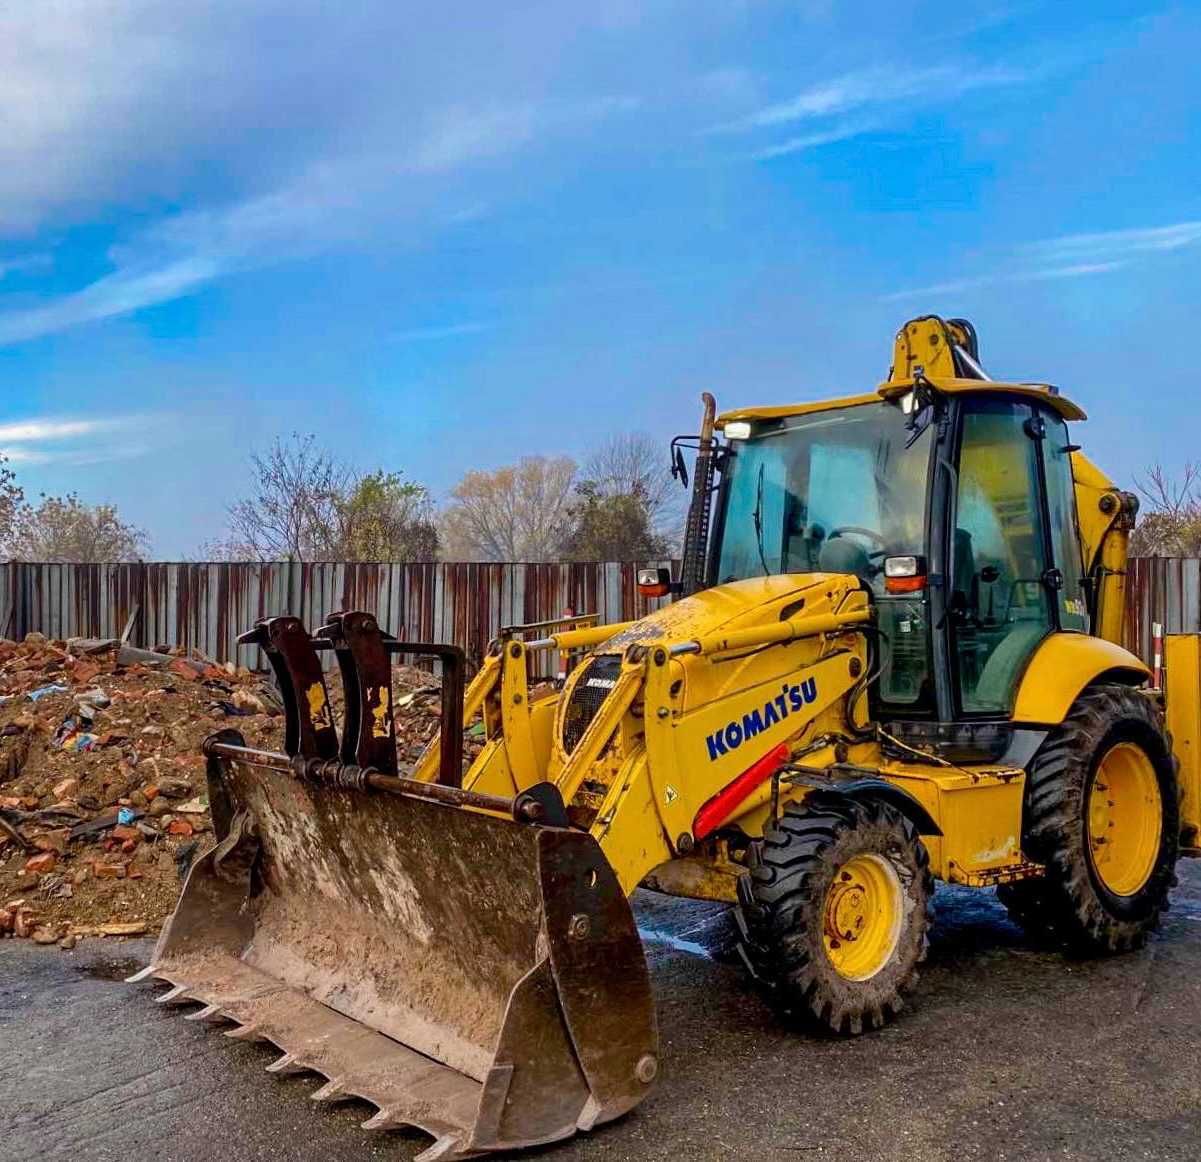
844,555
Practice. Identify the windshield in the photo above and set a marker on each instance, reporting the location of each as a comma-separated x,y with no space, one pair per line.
831,492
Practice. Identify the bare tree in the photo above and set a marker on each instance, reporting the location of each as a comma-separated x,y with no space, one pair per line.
634,464
517,513
309,506
63,528
293,510
11,498
1172,526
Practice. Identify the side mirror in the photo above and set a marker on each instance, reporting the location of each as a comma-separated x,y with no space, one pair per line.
656,583
678,468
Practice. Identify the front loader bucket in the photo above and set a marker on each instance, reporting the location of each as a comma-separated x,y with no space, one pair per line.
475,974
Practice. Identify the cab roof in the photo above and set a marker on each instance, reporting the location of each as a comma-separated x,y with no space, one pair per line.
893,389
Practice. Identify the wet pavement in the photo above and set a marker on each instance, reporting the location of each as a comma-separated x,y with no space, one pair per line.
1006,1052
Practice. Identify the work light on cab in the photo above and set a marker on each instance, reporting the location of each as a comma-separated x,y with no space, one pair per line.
655,582
904,574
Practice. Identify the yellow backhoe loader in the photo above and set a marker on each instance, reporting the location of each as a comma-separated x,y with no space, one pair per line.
893,656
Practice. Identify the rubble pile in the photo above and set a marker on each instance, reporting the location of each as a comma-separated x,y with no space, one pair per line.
418,716
103,797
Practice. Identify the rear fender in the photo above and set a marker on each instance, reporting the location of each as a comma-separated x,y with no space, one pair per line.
867,790
1062,666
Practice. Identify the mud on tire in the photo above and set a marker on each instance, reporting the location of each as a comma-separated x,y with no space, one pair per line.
784,912
1072,906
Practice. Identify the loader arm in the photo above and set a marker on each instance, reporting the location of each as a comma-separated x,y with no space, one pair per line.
666,738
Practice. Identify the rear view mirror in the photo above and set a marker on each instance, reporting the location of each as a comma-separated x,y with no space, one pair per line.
678,468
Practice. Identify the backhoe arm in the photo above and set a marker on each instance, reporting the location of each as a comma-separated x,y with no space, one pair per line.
1106,514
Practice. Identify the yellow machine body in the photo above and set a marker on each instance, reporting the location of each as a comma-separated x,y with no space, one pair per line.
645,767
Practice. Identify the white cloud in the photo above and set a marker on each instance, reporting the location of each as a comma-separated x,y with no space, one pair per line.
958,286
115,294
77,457
73,439
866,88
426,334
809,141
141,103
1106,245
24,431
460,136
330,202
1072,256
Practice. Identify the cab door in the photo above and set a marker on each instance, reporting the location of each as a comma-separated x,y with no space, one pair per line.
1015,558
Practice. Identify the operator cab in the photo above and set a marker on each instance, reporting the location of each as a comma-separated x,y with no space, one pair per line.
951,500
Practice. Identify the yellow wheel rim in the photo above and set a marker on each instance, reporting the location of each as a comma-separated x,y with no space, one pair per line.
863,913
1125,819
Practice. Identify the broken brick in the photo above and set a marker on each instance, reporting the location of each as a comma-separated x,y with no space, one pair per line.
46,860
182,668
24,922
55,841
108,871
131,928
85,672
179,827
65,788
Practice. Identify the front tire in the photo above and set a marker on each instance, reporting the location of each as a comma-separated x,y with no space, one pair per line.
1102,814
834,912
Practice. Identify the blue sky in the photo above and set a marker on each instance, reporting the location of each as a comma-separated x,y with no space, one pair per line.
446,236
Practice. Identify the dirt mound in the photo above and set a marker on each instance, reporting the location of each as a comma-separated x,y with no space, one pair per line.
103,798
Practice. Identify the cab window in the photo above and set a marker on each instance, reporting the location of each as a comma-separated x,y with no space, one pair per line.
998,603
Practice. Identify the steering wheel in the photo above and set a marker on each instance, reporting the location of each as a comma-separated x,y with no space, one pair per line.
858,530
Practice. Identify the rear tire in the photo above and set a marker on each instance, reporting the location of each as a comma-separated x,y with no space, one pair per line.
834,912
1102,814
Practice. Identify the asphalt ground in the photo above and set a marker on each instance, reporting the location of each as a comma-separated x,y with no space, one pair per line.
1007,1052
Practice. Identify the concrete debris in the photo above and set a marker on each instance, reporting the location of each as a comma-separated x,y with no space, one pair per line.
103,794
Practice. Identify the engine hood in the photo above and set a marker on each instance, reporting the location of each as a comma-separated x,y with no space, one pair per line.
735,605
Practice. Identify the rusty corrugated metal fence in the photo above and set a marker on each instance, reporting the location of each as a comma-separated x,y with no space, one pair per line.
206,606
1165,590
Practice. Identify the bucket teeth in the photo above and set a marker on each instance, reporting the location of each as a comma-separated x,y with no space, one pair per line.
176,995
285,1065
211,1013
332,1090
444,1148
407,1087
141,975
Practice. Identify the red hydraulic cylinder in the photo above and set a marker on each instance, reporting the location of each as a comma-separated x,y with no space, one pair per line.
715,812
